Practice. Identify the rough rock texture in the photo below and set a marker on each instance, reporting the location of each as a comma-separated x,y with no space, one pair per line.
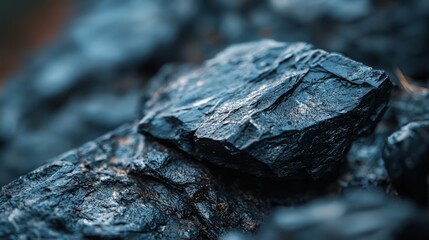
406,157
271,109
363,168
126,185
357,215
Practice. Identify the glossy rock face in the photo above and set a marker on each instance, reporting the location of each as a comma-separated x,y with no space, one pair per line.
272,109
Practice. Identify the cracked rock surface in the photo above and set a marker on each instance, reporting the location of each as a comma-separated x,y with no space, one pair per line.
272,109
127,185
143,180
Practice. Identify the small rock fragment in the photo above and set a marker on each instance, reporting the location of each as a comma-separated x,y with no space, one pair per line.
364,166
406,157
272,109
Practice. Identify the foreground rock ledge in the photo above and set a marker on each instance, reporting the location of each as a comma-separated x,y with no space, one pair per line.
126,185
272,109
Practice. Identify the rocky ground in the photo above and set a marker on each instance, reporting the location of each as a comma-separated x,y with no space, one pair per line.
263,140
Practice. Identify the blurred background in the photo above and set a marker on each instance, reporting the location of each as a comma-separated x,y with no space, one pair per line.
71,70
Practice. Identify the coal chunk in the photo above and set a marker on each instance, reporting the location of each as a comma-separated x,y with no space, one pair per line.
406,156
281,110
125,185
364,166
357,215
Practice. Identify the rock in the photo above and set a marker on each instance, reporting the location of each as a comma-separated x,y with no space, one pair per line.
364,166
357,215
124,185
272,109
406,156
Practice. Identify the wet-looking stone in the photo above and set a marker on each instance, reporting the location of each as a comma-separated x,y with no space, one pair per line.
272,109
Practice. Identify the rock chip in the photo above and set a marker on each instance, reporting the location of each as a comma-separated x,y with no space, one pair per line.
406,157
364,166
272,109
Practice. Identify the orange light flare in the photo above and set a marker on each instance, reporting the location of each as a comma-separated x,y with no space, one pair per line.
407,85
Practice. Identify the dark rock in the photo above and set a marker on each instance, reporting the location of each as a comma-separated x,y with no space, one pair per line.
357,215
271,109
364,166
124,185
406,156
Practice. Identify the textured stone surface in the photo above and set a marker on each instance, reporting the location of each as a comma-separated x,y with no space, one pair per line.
357,215
126,185
406,157
282,110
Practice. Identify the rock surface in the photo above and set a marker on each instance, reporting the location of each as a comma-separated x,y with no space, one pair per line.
281,110
357,215
406,157
126,185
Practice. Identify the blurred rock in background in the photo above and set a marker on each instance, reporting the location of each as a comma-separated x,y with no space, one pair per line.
87,82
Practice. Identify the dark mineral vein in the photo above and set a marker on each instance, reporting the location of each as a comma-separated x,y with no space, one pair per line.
280,110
